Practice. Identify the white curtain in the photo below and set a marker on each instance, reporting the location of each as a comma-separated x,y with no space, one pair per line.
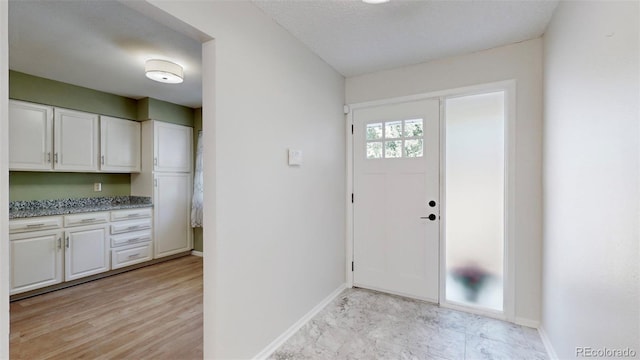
197,200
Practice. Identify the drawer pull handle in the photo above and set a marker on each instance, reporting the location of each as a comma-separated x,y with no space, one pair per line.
87,220
59,243
134,255
133,227
35,225
134,239
133,215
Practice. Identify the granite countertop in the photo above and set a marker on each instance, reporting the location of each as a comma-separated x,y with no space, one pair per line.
33,208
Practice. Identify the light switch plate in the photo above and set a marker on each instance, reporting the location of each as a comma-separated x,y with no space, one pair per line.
295,157
97,186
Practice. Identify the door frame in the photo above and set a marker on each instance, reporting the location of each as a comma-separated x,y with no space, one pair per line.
509,87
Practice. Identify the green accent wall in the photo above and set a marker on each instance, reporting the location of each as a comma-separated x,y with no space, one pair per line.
54,185
197,126
49,92
154,109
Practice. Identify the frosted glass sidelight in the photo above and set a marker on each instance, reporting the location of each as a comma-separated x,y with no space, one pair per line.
475,200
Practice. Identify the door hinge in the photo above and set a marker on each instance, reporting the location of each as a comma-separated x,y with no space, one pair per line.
351,129
352,266
352,197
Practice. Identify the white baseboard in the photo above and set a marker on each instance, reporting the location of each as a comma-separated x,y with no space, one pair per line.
196,253
527,322
266,352
547,343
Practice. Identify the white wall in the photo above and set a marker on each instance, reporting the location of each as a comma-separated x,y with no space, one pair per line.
4,181
277,245
591,255
523,62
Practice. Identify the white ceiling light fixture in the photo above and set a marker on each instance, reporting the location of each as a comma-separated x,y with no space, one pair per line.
164,71
375,2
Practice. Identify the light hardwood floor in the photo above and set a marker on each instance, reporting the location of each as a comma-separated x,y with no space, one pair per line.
149,313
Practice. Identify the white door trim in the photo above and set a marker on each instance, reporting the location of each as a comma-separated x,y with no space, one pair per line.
509,86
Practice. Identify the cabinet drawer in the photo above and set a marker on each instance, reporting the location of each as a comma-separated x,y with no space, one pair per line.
130,214
130,238
35,224
130,255
134,225
86,219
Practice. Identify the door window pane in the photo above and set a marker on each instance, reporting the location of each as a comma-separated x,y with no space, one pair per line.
393,149
374,150
413,148
374,131
393,129
413,128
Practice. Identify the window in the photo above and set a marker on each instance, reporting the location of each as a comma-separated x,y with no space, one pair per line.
395,139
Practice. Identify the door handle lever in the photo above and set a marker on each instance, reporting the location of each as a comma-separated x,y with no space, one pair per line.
431,217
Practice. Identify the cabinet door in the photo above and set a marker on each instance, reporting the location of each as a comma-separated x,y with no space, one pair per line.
87,252
30,134
119,145
172,206
35,261
75,140
172,147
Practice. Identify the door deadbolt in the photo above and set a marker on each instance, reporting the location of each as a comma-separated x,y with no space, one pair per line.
432,203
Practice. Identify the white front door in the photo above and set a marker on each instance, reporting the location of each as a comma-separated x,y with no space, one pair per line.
396,198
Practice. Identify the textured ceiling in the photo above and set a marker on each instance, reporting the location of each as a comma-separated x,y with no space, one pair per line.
357,38
102,45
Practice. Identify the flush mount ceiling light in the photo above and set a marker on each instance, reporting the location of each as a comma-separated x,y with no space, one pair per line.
375,2
164,71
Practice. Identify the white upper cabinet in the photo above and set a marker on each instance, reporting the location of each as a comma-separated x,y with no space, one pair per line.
44,138
30,129
119,145
172,147
75,141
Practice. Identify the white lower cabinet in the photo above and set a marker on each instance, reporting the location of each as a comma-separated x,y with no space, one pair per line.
86,252
36,260
172,206
52,249
131,239
132,254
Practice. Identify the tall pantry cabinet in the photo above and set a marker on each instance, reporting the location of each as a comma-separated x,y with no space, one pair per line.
167,176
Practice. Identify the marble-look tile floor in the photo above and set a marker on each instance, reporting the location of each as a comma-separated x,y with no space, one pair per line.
363,324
